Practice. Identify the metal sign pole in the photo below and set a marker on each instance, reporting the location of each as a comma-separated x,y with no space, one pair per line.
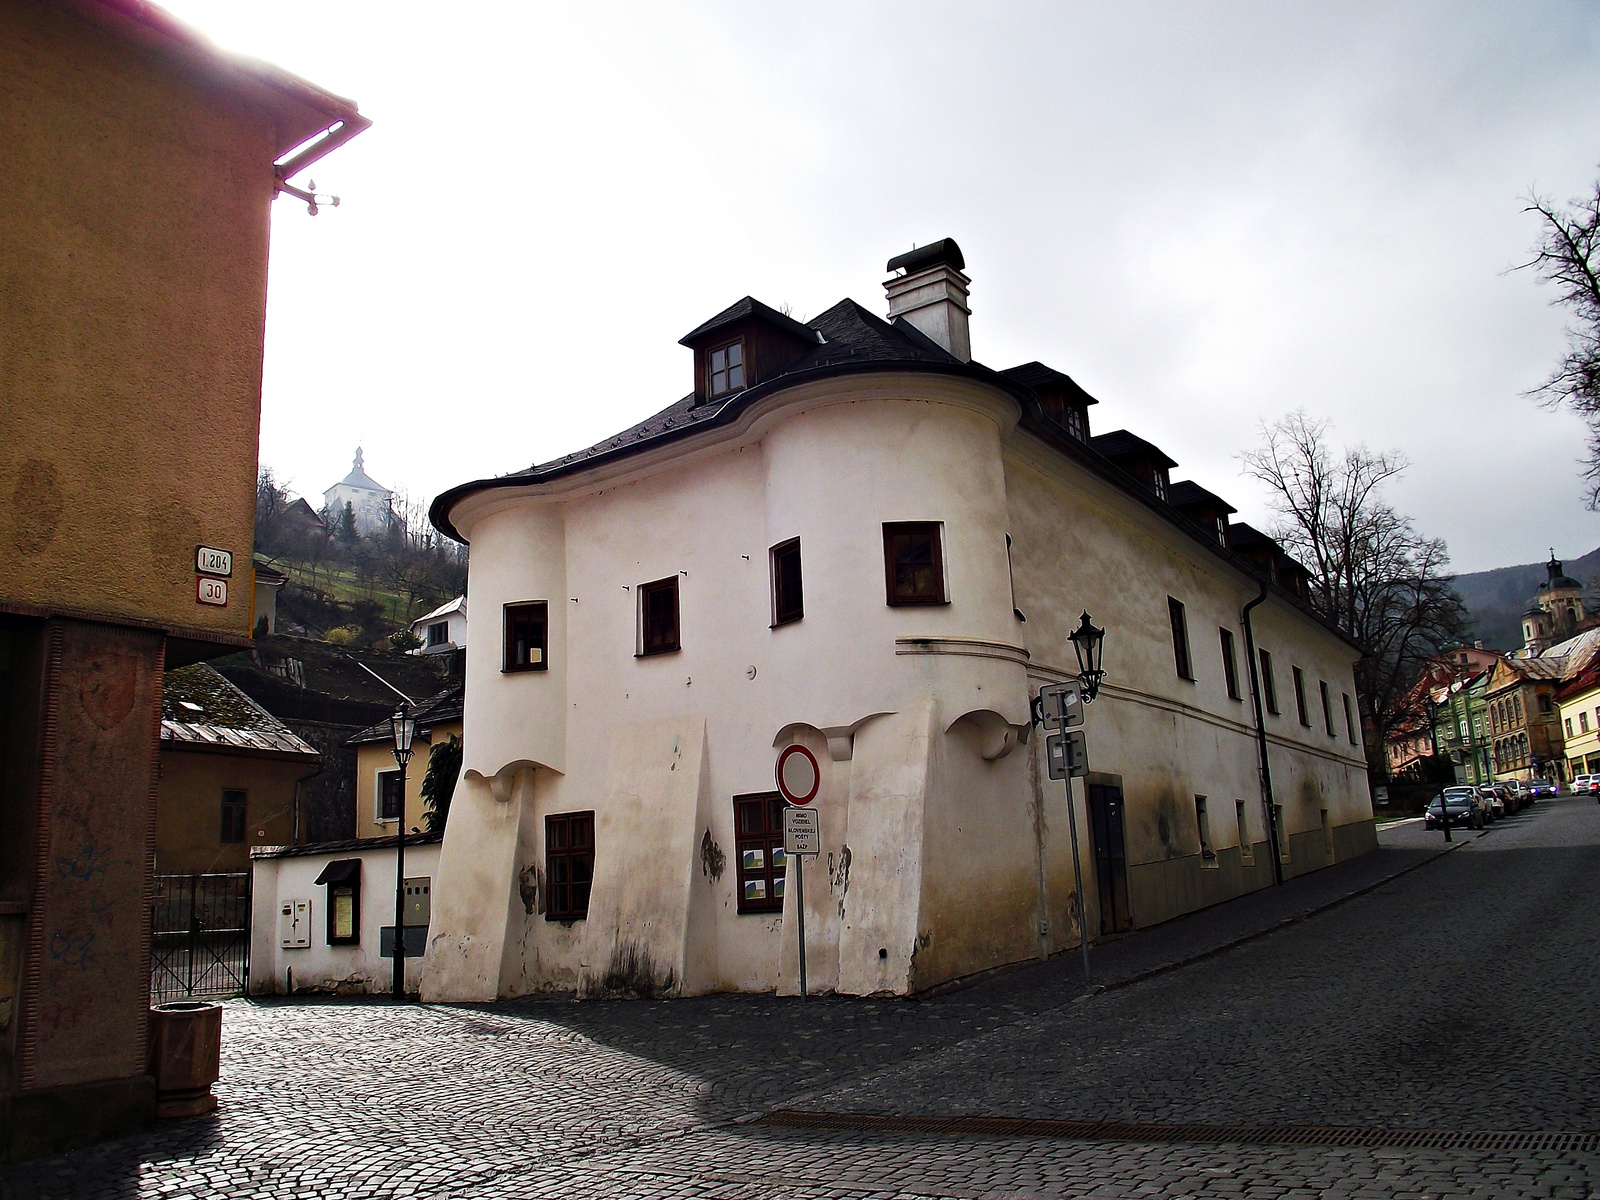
1077,877
800,908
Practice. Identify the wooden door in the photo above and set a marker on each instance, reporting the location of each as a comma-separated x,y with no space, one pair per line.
1110,858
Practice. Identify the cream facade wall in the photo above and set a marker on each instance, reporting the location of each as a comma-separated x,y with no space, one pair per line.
1582,746
945,851
374,759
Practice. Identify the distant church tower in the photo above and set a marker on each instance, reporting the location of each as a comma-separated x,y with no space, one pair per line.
1556,612
368,500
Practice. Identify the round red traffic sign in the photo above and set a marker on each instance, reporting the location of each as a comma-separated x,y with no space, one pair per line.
799,777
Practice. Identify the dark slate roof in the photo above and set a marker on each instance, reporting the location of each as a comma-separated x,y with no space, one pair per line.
1187,493
856,341
440,710
201,710
1121,444
751,307
1242,536
1036,375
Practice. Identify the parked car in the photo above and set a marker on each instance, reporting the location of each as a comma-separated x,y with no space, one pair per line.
1584,785
1500,802
1456,806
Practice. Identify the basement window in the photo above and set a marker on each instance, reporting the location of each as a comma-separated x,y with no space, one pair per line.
763,866
569,865
727,369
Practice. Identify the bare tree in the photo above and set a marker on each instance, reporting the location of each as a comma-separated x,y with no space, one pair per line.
1376,578
272,498
1568,256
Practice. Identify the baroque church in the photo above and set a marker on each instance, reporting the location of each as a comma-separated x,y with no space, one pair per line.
368,500
1556,613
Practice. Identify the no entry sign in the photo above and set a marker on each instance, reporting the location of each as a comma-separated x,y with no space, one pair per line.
799,777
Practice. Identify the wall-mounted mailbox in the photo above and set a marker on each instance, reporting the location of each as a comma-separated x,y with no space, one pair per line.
294,925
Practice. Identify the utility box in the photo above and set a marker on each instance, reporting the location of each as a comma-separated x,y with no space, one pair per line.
418,906
294,925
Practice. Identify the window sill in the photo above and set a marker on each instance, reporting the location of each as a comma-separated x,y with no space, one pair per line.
524,670
658,653
787,621
915,603
569,922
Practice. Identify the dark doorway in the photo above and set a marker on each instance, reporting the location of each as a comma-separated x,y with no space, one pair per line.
1110,858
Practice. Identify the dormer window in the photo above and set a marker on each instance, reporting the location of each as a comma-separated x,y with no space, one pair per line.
1076,425
1222,531
727,370
1159,478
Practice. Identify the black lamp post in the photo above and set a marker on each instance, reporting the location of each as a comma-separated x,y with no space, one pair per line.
404,726
1088,641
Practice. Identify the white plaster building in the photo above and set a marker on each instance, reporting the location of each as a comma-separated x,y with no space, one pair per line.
851,536
443,629
368,500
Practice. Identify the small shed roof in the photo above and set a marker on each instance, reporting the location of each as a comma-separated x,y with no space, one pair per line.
201,710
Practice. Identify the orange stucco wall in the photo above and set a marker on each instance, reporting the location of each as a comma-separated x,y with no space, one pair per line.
379,756
189,808
133,265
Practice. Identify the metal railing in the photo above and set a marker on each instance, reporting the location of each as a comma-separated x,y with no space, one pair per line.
200,936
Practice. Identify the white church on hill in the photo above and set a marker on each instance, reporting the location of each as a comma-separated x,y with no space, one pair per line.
853,537
368,500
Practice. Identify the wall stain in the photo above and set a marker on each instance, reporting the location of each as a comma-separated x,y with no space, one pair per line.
530,883
712,859
37,503
842,879
111,679
632,974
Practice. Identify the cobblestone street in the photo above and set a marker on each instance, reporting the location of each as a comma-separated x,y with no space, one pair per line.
1414,989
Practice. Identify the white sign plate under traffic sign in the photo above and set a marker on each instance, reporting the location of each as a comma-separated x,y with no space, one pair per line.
802,833
211,591
211,561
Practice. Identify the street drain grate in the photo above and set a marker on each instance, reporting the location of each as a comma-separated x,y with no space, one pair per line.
1118,1131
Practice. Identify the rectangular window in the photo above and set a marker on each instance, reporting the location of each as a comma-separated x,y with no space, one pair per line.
1202,822
1569,726
727,369
527,636
1583,722
1180,638
658,616
788,597
1159,482
1300,696
568,865
758,839
1327,708
1544,703
1076,423
438,633
913,562
1269,685
233,815
1349,720
389,798
1222,531
1230,665
1247,849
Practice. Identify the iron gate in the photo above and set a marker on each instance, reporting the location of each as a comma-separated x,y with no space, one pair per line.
200,936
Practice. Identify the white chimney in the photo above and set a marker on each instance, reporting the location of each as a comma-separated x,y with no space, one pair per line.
932,295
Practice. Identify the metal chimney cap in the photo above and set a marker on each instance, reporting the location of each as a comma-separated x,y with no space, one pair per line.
944,252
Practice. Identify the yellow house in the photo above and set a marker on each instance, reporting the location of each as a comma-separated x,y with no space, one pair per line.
1579,702
378,777
231,776
141,164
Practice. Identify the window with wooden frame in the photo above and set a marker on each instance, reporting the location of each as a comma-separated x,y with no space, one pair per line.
658,616
788,595
1230,664
233,815
913,562
1300,696
568,865
390,802
726,367
1327,708
1077,426
1180,639
1269,684
1349,720
762,866
527,636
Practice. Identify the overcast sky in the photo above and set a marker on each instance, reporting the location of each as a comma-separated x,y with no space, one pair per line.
1207,214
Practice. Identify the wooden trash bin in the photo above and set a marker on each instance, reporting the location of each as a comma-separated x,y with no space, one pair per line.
185,1056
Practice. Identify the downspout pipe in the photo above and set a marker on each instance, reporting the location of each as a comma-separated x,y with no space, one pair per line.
1261,733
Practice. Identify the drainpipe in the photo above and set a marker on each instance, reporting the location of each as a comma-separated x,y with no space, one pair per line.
1261,733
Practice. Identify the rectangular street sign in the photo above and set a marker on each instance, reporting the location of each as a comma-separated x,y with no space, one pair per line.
1062,704
802,834
1067,754
211,561
211,591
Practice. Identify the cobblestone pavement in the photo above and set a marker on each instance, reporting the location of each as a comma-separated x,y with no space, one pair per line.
1459,994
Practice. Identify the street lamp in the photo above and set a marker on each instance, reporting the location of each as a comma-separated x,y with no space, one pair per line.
404,727
1088,641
